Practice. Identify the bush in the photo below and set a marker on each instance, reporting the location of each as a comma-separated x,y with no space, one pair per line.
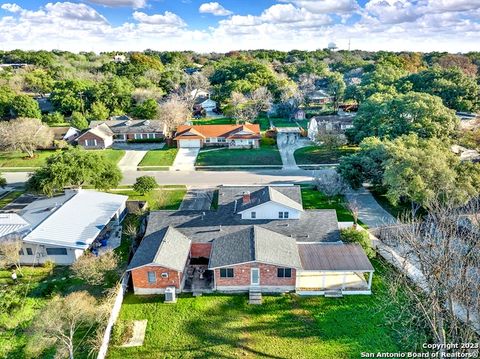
267,141
145,184
352,235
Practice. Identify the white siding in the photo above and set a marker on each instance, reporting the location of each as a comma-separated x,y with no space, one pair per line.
40,256
270,210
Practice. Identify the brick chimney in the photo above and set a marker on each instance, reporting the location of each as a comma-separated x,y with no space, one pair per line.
246,197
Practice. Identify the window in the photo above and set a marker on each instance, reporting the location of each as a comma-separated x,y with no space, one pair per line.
221,139
20,252
282,214
207,140
284,272
253,215
152,277
90,143
226,272
29,251
151,135
56,251
164,275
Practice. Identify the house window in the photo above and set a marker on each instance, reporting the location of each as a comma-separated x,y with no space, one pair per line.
151,135
120,137
207,140
284,272
253,215
29,251
20,252
56,251
226,272
282,214
89,143
152,277
164,275
221,139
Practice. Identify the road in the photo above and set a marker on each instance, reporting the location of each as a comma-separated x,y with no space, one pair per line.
201,178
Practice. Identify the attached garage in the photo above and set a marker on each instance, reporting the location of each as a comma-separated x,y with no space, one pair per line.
189,143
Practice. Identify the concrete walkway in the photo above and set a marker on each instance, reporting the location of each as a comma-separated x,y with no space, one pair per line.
131,159
138,335
185,159
370,212
287,145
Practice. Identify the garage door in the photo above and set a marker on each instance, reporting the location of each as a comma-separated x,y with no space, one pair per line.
189,143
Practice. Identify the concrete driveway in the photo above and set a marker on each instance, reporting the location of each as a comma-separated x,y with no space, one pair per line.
197,200
131,159
185,160
287,144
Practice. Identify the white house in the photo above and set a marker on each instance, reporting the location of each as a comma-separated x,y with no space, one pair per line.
208,105
61,228
329,124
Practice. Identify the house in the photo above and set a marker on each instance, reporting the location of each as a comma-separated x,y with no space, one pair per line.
67,134
260,237
203,102
231,136
121,129
63,227
319,97
335,124
119,58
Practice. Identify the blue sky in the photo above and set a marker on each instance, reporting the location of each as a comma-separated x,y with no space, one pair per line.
224,25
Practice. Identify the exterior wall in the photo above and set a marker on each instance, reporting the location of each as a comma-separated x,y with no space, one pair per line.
320,281
182,144
131,136
269,282
200,250
101,144
141,285
312,129
40,256
270,210
239,143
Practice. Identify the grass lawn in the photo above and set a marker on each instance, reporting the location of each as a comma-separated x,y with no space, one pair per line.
265,155
19,159
214,121
318,155
9,197
284,326
168,199
161,157
313,199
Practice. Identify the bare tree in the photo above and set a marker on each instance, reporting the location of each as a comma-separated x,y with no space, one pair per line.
93,269
59,321
444,248
330,183
354,208
24,134
193,85
173,112
10,253
246,108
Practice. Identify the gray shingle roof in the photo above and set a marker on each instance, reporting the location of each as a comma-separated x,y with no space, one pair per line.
254,244
167,248
131,126
333,257
265,195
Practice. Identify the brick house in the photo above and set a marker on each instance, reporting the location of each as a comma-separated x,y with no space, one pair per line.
259,237
97,138
231,136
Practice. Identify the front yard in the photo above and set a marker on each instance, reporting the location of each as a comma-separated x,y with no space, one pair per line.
19,159
284,326
312,155
161,157
313,199
160,199
265,155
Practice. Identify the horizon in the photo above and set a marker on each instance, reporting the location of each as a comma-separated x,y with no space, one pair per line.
222,26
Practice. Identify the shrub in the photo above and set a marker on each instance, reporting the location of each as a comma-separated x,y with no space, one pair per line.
267,141
352,235
145,184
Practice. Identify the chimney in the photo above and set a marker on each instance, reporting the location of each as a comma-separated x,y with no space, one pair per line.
246,197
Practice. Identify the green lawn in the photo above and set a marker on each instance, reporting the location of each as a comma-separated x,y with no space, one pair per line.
284,326
214,121
313,199
19,159
265,155
167,199
318,155
161,157
9,197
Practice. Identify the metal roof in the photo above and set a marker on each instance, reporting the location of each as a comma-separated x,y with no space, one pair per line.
11,223
334,257
78,221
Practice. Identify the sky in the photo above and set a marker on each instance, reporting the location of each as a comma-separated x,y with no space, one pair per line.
225,25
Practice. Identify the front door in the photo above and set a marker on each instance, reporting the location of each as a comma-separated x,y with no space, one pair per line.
255,276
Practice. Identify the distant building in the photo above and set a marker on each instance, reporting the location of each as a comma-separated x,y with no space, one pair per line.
329,124
119,58
299,115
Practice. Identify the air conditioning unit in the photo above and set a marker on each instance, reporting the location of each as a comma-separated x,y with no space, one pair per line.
170,295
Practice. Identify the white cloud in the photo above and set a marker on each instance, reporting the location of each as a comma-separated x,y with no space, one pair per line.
326,6
11,7
168,18
136,4
214,8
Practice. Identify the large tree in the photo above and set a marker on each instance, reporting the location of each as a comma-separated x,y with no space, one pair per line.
25,106
173,112
75,168
24,134
246,108
388,116
6,97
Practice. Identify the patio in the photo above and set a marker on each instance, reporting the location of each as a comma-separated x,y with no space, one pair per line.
109,239
198,279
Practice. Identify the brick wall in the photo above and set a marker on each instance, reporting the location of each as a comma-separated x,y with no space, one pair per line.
268,276
140,277
200,250
91,136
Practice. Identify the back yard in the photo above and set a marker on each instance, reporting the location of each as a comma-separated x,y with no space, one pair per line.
284,326
319,155
160,199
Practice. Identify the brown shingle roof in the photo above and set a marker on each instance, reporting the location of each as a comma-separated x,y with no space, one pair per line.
247,130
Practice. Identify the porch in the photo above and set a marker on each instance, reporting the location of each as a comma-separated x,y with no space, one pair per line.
333,283
108,239
198,279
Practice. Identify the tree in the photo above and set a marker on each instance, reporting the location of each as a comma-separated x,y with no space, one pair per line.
335,88
96,269
173,112
193,84
462,62
6,97
39,81
53,118
70,95
75,168
98,111
146,110
246,108
331,141
25,106
353,235
24,134
10,253
387,116
145,184
59,321
79,121
330,183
